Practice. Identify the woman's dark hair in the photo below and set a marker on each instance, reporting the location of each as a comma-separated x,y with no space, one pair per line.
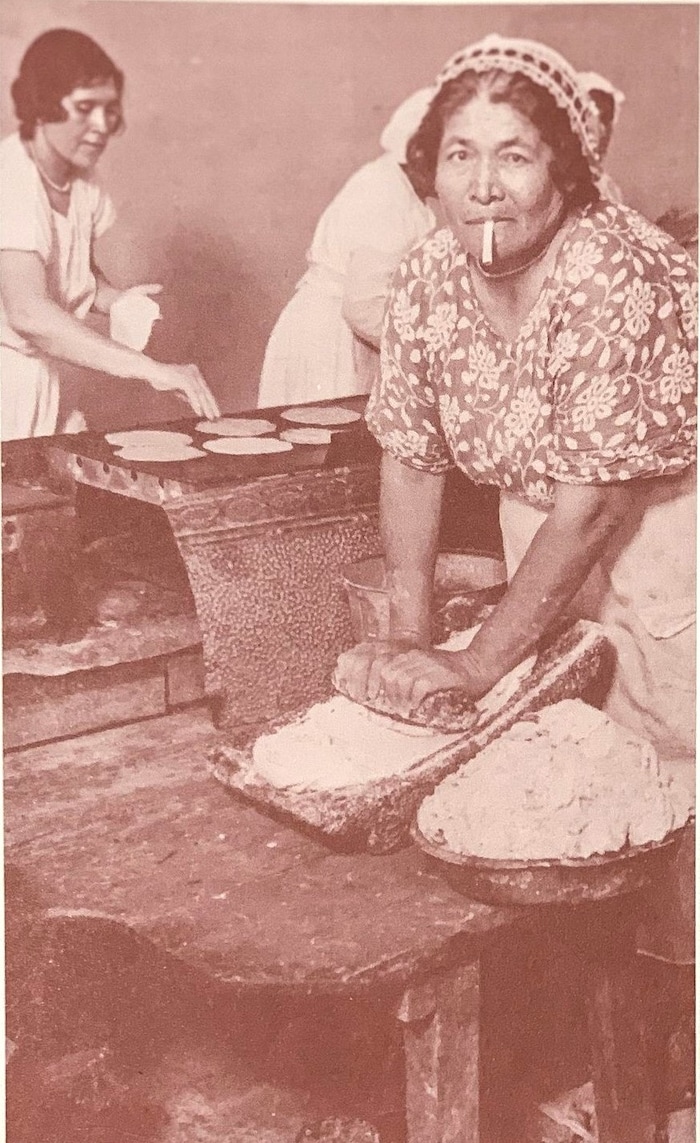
570,170
53,65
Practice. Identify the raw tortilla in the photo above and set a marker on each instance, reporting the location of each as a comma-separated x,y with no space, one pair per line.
163,451
567,783
236,427
321,415
146,438
308,436
246,446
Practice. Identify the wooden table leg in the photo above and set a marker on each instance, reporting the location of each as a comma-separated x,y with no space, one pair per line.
623,1092
441,1043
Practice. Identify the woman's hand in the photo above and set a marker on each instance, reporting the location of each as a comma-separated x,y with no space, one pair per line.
186,382
401,676
150,289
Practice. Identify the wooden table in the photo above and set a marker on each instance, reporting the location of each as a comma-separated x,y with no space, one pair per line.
128,826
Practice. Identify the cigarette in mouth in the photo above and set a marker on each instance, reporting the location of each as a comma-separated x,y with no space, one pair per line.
487,248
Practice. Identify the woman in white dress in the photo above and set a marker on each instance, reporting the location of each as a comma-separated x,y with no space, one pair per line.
325,343
67,99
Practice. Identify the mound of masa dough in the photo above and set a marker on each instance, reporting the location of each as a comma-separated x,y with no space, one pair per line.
569,783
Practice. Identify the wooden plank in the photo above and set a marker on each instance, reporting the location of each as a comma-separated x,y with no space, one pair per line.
442,1062
128,824
603,939
184,677
37,709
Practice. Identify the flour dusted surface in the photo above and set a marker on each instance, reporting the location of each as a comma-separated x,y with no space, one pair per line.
339,743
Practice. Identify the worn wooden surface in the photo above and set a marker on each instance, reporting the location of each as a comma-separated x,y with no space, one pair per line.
441,1040
624,1093
128,825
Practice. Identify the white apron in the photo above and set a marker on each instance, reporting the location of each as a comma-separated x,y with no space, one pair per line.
643,592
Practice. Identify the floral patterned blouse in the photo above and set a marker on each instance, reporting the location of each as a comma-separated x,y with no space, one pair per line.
599,385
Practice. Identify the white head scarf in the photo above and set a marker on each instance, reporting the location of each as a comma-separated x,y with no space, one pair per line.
592,81
544,66
405,122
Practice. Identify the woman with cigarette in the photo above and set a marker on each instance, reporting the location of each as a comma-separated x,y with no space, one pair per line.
68,100
544,342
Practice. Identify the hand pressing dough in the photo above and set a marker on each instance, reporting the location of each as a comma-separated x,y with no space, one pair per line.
236,427
321,415
246,446
340,743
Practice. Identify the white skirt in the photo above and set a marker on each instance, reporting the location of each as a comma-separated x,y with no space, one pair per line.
643,592
30,393
313,354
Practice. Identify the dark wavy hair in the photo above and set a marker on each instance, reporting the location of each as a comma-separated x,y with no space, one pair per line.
53,65
570,170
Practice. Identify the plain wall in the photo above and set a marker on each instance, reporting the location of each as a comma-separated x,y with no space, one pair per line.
244,119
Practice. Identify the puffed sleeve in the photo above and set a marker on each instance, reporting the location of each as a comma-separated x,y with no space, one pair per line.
624,358
403,411
25,215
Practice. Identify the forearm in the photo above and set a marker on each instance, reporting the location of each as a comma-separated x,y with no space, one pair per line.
105,295
562,553
410,519
365,316
55,333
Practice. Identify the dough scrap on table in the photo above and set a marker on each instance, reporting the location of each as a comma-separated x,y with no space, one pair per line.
246,446
566,783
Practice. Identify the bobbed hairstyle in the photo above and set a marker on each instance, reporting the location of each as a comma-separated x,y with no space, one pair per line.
570,171
53,65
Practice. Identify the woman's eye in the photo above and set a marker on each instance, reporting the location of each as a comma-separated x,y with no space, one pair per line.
459,156
515,159
83,108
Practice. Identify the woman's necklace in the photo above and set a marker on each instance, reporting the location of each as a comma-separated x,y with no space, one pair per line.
49,182
496,275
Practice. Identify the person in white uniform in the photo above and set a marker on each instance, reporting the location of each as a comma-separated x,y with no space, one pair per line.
325,343
67,99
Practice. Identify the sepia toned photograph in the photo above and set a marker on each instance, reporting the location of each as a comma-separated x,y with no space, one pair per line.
348,403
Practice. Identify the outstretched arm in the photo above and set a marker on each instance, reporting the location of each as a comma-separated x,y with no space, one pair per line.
33,314
410,516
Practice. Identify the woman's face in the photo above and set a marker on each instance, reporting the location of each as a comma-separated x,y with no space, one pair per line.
94,113
493,164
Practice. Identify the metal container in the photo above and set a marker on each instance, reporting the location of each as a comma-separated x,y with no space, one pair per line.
465,584
570,881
